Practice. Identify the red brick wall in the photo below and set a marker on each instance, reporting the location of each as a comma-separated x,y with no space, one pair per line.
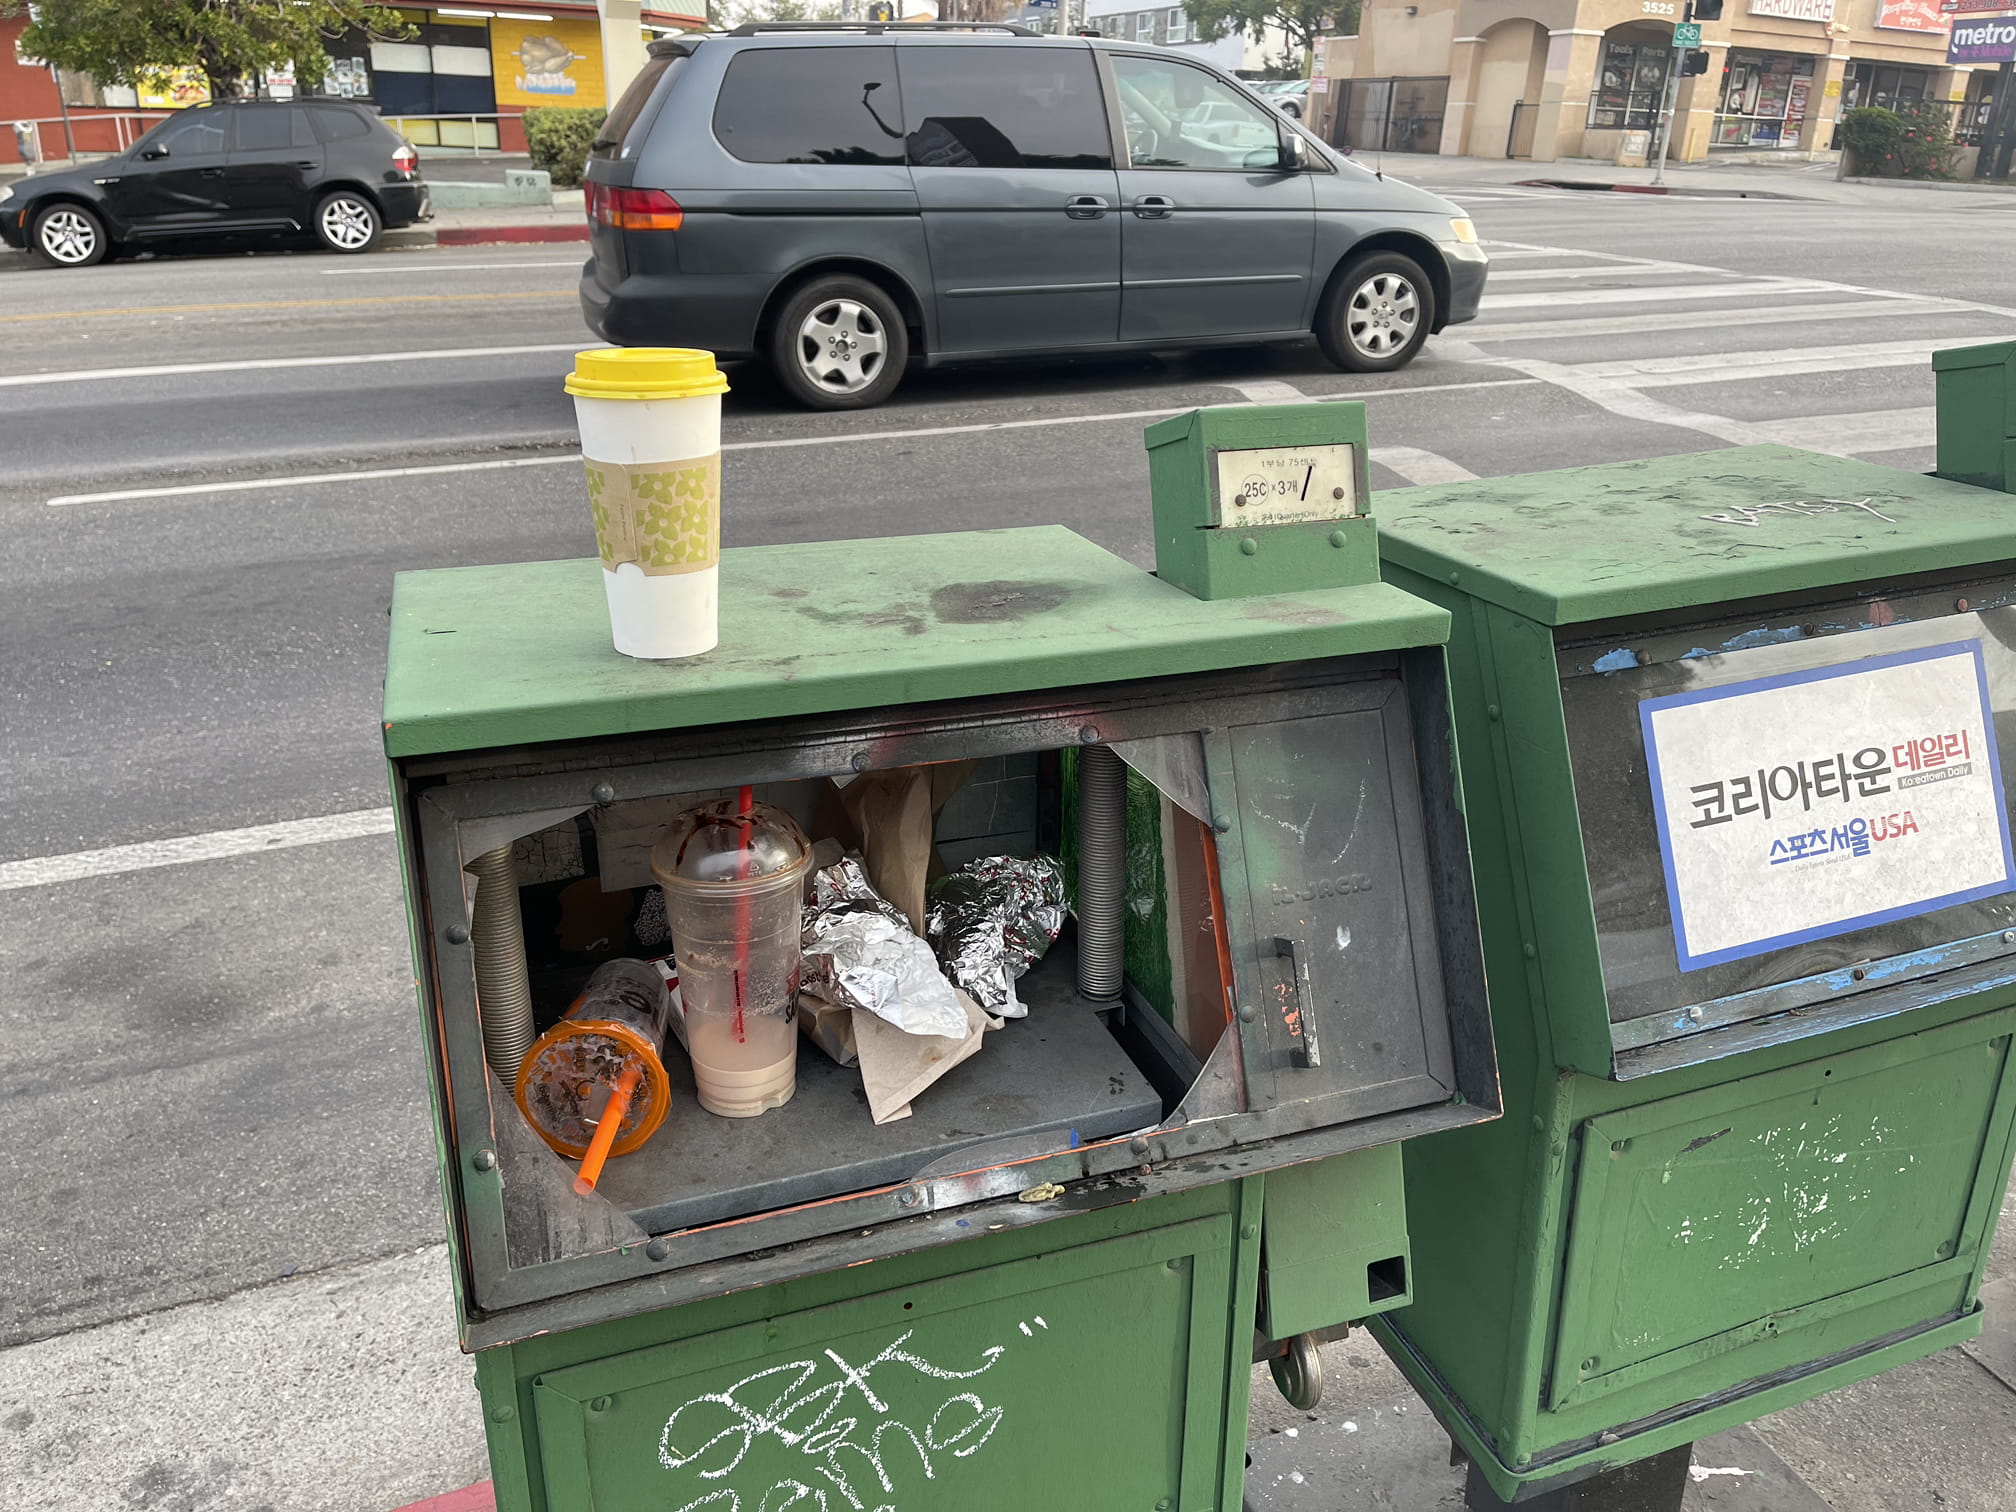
25,94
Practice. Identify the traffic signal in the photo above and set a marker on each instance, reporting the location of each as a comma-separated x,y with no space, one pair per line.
1696,62
881,10
1705,10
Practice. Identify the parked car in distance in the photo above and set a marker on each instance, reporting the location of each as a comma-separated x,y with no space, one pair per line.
329,168
1289,96
843,199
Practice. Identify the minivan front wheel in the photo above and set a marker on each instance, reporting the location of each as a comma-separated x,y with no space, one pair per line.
839,343
347,222
1377,314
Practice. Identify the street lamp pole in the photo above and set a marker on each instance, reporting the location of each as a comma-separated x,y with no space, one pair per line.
1672,104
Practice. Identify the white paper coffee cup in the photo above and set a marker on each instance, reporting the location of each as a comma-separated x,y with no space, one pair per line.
650,420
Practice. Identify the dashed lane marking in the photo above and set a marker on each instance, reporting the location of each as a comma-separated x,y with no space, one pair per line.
129,311
217,845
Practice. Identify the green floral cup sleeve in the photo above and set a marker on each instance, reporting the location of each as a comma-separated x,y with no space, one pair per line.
664,516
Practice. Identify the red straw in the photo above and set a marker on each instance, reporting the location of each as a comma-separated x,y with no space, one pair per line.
745,800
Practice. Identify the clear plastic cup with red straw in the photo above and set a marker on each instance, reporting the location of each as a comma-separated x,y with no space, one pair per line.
733,871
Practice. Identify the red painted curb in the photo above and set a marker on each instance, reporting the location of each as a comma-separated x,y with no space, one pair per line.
476,1498
476,236
1585,184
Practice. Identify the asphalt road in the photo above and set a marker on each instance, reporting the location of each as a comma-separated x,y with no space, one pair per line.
208,1072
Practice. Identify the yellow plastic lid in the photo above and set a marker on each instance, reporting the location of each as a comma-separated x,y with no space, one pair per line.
645,373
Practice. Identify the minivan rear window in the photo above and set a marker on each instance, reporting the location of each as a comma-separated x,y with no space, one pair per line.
616,129
811,105
1004,106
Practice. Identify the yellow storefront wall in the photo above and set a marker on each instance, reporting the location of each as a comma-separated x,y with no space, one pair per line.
557,62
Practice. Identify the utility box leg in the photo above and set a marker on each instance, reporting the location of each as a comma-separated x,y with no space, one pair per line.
1648,1485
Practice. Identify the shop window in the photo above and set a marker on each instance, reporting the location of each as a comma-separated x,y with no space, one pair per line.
1765,100
1630,87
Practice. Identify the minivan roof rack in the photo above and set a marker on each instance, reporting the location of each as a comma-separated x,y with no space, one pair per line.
876,28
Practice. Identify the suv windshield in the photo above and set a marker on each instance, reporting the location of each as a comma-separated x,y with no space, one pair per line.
194,132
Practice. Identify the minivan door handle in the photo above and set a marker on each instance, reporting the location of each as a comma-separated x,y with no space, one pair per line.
1154,206
1086,207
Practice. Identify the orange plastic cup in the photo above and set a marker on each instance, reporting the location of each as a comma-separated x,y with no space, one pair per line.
618,1021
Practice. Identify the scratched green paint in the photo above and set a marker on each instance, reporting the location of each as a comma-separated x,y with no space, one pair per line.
1632,538
1562,1297
493,656
944,1387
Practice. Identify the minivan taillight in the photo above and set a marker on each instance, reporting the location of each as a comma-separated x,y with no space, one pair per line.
633,209
405,159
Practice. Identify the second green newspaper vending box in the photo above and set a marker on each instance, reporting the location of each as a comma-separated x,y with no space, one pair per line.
1731,728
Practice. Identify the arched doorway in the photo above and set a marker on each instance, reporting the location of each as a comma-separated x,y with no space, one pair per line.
1511,67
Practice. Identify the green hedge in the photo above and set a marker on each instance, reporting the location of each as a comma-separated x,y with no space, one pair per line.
1872,137
558,138
1915,142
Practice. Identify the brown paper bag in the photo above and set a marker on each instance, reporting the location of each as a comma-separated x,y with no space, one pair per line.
896,1067
893,812
828,1026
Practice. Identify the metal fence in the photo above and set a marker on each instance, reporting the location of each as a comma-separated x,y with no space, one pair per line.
85,133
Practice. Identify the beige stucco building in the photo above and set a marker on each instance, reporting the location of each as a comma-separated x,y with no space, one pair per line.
1548,79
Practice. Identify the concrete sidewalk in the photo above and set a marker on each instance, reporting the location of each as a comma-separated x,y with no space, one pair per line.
1718,178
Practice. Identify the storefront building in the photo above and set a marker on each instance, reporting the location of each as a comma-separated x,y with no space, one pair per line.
1548,79
462,78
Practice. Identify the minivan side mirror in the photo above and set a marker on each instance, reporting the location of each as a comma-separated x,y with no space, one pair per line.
1294,153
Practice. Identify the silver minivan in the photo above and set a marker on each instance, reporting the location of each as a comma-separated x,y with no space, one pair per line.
841,200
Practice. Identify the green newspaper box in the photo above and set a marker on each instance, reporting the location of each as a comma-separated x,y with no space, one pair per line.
1731,730
1042,1287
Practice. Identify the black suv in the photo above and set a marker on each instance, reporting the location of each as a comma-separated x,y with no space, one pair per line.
328,167
842,199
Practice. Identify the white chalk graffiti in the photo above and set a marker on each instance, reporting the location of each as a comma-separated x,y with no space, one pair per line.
840,1424
1750,515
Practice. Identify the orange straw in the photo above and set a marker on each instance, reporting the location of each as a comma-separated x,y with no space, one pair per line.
605,1131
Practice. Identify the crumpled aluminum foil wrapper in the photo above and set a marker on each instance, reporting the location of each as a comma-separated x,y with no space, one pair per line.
993,919
860,952
846,881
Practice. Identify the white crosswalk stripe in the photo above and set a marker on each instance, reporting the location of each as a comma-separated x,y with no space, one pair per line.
1689,345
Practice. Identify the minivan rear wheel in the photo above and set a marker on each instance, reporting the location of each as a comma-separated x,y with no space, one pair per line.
839,343
1377,314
